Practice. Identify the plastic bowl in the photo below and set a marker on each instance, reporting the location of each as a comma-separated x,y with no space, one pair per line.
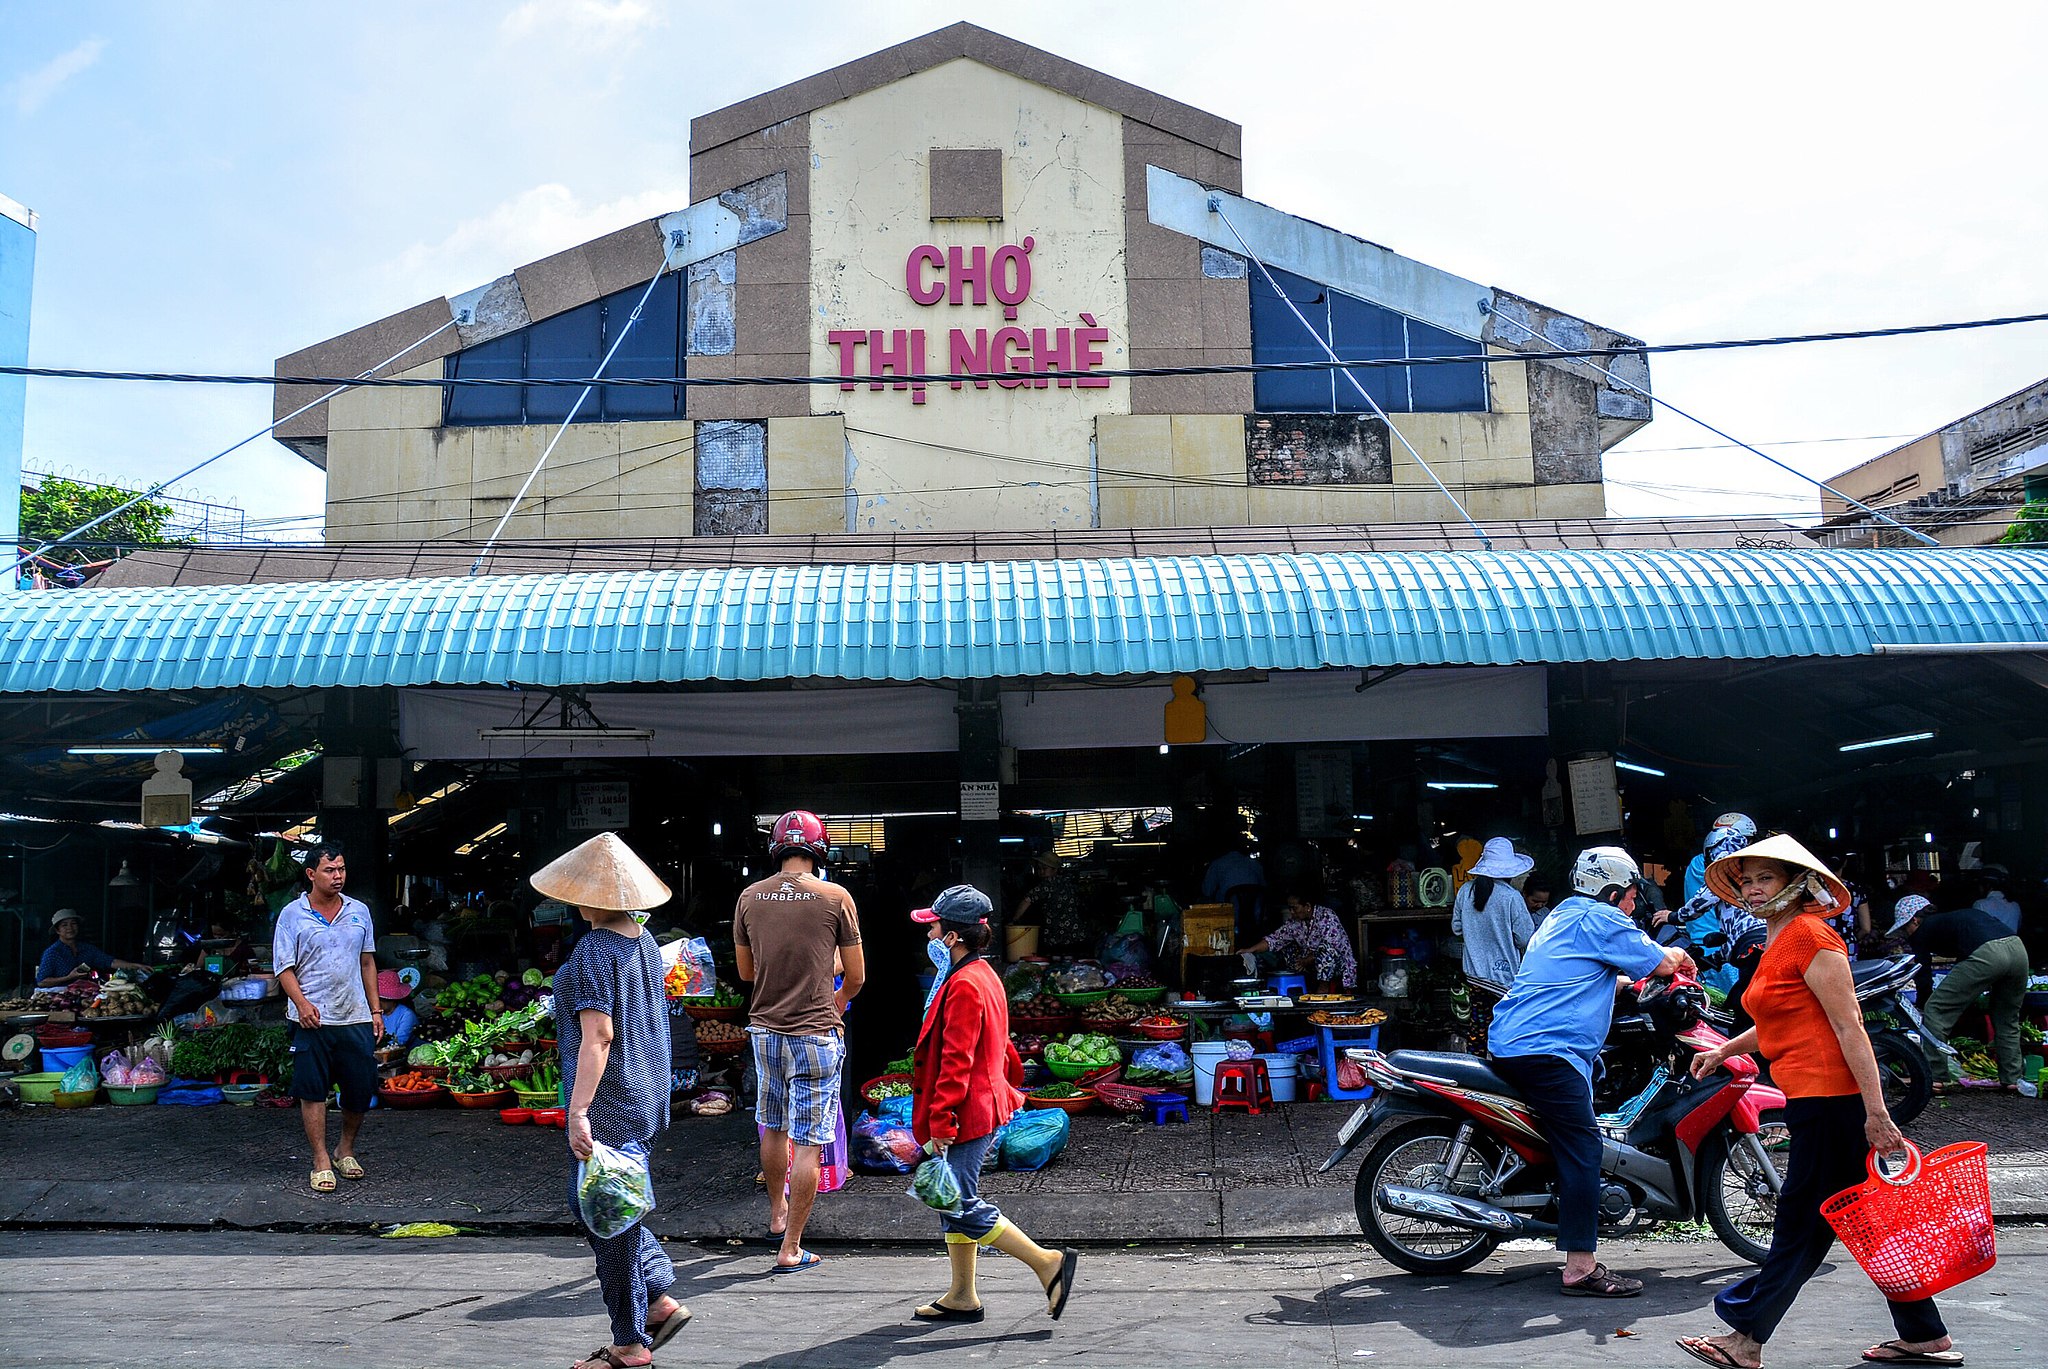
133,1096
410,1098
1087,999
494,1098
535,1101
38,1088
551,1117
1069,1106
707,1012
514,1117
242,1095
1151,995
1071,1070
1173,1033
84,1098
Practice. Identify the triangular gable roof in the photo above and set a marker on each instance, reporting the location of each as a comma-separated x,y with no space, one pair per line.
950,44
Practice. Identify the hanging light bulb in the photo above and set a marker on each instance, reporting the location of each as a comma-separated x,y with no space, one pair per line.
123,879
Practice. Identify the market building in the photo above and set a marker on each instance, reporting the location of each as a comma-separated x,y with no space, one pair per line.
1022,607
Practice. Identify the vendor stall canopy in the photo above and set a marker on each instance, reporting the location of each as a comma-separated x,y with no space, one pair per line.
1024,619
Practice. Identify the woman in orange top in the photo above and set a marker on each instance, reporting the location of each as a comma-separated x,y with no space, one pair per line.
1809,1026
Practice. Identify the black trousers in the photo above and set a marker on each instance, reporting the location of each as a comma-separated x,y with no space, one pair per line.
1826,1156
1563,1099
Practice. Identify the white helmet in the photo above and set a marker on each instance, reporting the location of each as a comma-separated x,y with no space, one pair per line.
1600,869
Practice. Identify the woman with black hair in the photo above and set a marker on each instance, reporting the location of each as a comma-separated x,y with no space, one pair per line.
1495,924
964,1080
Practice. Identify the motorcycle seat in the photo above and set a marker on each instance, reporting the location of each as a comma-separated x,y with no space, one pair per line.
1466,1071
1863,973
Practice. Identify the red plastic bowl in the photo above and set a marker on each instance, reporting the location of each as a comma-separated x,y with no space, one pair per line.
513,1117
551,1117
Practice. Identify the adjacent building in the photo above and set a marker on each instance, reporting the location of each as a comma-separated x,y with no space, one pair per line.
17,280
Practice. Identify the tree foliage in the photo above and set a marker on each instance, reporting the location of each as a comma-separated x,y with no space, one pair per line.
55,506
2030,525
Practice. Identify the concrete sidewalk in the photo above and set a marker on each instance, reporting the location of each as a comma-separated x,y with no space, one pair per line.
1228,1177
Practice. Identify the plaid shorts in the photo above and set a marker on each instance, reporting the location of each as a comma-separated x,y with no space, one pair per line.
799,1082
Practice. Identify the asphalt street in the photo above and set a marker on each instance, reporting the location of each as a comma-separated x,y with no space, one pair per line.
235,1299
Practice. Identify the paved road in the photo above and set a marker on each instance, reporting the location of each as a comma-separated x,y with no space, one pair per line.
236,1299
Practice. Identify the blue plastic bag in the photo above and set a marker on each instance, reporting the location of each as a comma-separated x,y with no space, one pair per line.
1166,1058
1033,1139
896,1111
880,1147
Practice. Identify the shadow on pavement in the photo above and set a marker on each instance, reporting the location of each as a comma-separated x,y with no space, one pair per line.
884,1344
1494,1308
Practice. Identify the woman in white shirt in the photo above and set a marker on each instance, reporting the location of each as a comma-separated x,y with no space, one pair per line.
1494,922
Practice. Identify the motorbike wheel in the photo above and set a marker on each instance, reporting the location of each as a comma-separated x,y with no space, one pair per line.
1738,1202
1908,1079
1413,1156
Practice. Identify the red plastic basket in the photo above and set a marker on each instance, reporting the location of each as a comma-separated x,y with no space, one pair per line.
1924,1229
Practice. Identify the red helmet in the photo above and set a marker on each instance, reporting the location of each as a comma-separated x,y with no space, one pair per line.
799,832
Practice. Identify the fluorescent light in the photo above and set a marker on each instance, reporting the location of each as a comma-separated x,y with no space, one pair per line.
1361,817
1011,841
145,749
1639,769
1832,834
1887,741
1164,748
717,829
1462,784
565,734
1928,837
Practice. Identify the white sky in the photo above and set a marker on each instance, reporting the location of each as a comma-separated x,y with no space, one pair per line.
223,183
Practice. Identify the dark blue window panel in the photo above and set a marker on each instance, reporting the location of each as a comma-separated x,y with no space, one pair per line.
564,347
1445,389
499,359
651,347
570,346
1357,331
1366,332
1278,336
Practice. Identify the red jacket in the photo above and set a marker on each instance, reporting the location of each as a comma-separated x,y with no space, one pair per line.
966,1069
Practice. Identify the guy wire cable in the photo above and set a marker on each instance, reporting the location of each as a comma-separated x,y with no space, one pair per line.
668,251
1490,311
161,486
1216,208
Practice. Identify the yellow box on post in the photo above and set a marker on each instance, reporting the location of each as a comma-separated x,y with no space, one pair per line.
1207,929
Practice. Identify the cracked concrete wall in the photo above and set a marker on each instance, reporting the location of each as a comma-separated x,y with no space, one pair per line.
764,177
1317,449
1575,411
1190,305
968,458
732,479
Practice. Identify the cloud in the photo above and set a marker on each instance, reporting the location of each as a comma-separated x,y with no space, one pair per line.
34,90
597,22
531,225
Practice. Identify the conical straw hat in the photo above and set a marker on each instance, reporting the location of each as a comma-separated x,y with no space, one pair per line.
1723,875
602,873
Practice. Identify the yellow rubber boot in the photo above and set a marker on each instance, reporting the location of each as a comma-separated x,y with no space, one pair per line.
1055,1269
959,1302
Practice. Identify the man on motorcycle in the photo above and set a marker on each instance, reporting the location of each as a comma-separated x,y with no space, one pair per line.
1547,1033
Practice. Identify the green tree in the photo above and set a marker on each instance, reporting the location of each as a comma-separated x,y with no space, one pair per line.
2029,525
53,507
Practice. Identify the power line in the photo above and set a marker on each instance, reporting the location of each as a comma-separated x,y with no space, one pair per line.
1129,373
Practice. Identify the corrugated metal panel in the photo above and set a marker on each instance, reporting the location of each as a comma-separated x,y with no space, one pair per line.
949,621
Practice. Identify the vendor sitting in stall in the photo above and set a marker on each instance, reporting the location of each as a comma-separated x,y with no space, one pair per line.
69,959
1312,942
400,1021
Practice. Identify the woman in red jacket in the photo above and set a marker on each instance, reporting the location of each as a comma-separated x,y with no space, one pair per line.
966,1077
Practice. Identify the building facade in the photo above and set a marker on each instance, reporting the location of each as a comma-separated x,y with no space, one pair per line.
969,209
17,282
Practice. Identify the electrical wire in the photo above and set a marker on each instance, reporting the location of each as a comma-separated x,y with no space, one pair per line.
1027,377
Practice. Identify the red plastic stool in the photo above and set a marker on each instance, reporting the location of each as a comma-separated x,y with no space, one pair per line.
1243,1084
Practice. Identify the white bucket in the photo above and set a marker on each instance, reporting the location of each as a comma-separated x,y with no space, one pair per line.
1206,1056
1282,1071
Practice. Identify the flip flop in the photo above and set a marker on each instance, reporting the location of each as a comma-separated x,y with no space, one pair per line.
1062,1284
1706,1352
323,1181
1899,1354
664,1331
350,1168
938,1311
809,1261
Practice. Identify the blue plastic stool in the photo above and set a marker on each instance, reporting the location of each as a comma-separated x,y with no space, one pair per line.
1167,1105
1288,984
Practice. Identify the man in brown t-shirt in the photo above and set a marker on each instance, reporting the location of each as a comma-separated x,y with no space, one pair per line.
787,932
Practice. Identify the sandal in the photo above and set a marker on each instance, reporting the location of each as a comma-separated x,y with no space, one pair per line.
350,1168
603,1356
1603,1283
323,1181
938,1311
1895,1352
664,1331
1706,1352
1062,1284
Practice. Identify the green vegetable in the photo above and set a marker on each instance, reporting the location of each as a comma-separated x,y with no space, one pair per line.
907,1065
1057,1091
532,979
892,1089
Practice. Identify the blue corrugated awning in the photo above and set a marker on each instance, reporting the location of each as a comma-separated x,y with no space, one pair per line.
1023,619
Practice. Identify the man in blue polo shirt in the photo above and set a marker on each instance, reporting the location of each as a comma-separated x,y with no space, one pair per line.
325,951
1546,1036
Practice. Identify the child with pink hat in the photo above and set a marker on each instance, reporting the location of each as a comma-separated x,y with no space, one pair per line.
400,1021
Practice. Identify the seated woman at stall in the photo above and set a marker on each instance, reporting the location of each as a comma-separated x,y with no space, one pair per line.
1312,943
69,958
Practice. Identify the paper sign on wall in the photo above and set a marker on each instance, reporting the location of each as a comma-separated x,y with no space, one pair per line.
980,801
1596,798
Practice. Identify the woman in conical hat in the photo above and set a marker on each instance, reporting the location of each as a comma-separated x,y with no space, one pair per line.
611,1020
1810,1027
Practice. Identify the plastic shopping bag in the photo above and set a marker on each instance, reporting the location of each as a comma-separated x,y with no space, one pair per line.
936,1186
82,1077
1034,1138
881,1148
689,969
613,1191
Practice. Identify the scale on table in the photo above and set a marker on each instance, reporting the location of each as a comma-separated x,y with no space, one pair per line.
16,1050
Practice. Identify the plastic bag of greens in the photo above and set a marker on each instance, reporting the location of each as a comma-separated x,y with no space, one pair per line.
936,1186
83,1077
613,1190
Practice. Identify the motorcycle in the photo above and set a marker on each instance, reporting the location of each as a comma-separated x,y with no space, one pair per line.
1461,1162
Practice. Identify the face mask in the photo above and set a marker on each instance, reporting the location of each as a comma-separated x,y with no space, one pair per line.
940,955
